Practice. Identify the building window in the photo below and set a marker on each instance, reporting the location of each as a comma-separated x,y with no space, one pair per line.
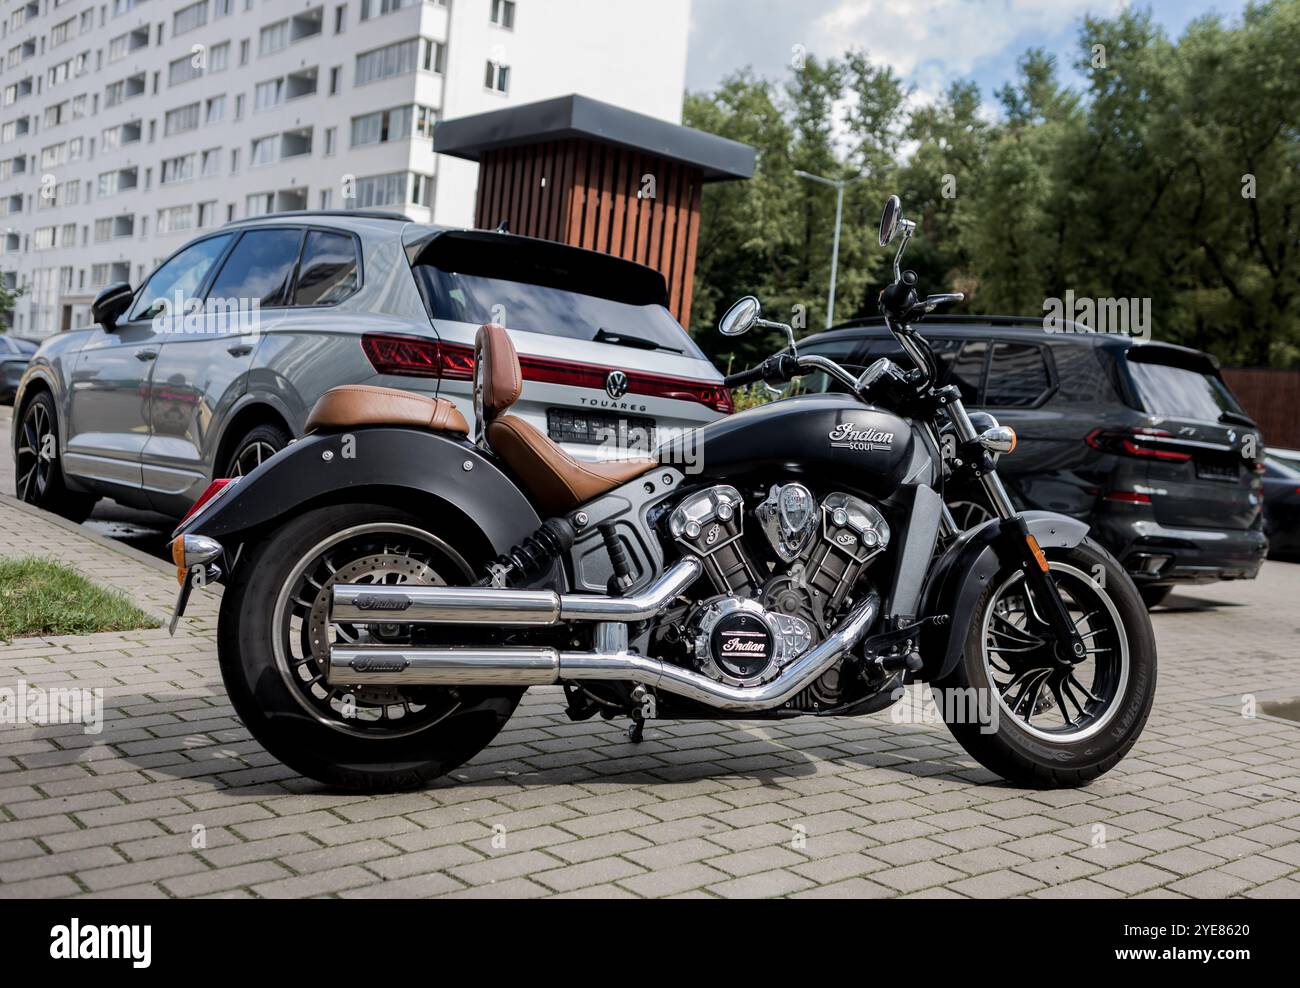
335,72
340,18
175,219
207,214
182,119
432,56
391,60
497,78
380,190
377,8
189,18
331,139
503,13
263,151
382,126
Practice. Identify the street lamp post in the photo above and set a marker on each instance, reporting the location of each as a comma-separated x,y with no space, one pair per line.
839,185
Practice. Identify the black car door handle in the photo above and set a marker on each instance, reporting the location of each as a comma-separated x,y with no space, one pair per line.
239,349
146,354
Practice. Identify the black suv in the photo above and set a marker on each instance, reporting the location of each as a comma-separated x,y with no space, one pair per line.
1143,441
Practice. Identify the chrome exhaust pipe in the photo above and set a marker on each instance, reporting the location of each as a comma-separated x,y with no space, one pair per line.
545,666
359,603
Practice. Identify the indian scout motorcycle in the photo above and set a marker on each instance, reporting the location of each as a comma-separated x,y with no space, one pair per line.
393,588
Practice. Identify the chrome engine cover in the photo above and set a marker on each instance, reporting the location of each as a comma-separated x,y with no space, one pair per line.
709,524
738,642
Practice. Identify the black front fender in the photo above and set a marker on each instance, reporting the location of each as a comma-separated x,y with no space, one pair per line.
417,468
961,574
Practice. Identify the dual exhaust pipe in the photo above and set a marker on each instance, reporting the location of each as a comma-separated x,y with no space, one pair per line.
531,666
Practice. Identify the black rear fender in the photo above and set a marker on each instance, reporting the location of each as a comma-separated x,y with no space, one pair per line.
458,488
966,568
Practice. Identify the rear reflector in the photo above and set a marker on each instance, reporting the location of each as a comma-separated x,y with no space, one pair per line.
1142,443
1130,497
413,356
213,491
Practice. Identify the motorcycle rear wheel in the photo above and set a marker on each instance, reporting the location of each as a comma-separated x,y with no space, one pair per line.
270,630
1054,725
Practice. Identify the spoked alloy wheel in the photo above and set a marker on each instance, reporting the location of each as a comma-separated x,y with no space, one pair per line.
274,632
35,452
969,514
250,457
38,472
1040,720
378,554
1054,699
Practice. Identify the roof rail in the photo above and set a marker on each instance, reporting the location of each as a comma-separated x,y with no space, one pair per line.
364,214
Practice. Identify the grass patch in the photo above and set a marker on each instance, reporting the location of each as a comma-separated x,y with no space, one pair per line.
40,597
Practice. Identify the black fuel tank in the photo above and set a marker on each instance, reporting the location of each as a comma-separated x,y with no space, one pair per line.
832,436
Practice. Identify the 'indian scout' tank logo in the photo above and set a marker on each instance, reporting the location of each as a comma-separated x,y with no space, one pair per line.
847,437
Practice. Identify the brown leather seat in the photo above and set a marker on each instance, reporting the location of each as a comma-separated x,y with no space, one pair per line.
361,404
557,482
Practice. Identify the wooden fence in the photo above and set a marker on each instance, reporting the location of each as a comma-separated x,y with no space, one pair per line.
1271,398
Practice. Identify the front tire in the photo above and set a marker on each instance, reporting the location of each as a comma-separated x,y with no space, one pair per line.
1054,725
272,621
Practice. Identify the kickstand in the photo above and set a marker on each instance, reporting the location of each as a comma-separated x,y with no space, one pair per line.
636,730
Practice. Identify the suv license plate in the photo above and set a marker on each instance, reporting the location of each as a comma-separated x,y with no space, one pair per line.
625,433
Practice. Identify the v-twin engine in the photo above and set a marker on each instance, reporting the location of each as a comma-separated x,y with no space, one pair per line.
769,611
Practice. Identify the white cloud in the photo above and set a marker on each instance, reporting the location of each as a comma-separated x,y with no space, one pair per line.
931,41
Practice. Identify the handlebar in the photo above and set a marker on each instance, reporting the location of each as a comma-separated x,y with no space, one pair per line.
741,378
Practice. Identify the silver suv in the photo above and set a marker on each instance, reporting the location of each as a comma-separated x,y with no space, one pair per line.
214,363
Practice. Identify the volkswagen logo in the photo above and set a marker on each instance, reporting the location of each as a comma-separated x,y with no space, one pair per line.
616,384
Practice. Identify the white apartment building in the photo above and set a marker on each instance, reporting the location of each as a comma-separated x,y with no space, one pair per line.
126,126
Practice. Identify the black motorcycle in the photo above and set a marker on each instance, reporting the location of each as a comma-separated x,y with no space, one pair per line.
393,587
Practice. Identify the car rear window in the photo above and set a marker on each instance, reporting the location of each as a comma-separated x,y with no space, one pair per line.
1180,392
479,299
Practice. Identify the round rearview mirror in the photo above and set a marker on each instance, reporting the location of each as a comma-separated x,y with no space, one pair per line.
889,220
740,318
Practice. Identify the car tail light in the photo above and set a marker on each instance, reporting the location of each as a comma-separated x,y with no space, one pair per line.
1129,497
210,496
413,356
1142,443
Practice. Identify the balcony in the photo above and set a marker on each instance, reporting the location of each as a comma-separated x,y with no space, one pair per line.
288,200
306,25
295,143
300,84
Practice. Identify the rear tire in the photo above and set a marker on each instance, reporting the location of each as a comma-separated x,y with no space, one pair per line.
269,685
1046,755
39,469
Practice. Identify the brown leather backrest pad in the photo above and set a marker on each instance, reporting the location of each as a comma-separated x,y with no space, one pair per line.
496,370
364,404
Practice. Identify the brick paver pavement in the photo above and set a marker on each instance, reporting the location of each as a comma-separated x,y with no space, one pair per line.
174,799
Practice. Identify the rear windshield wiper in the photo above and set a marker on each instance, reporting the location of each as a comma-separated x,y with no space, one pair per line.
1236,418
637,342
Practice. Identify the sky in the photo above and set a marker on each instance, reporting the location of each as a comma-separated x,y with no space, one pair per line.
928,42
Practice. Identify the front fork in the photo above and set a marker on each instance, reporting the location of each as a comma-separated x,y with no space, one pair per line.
1070,647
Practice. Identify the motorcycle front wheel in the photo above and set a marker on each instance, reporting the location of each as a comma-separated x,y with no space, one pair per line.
1032,718
274,631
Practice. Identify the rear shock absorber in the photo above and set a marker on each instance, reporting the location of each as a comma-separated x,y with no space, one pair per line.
532,557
